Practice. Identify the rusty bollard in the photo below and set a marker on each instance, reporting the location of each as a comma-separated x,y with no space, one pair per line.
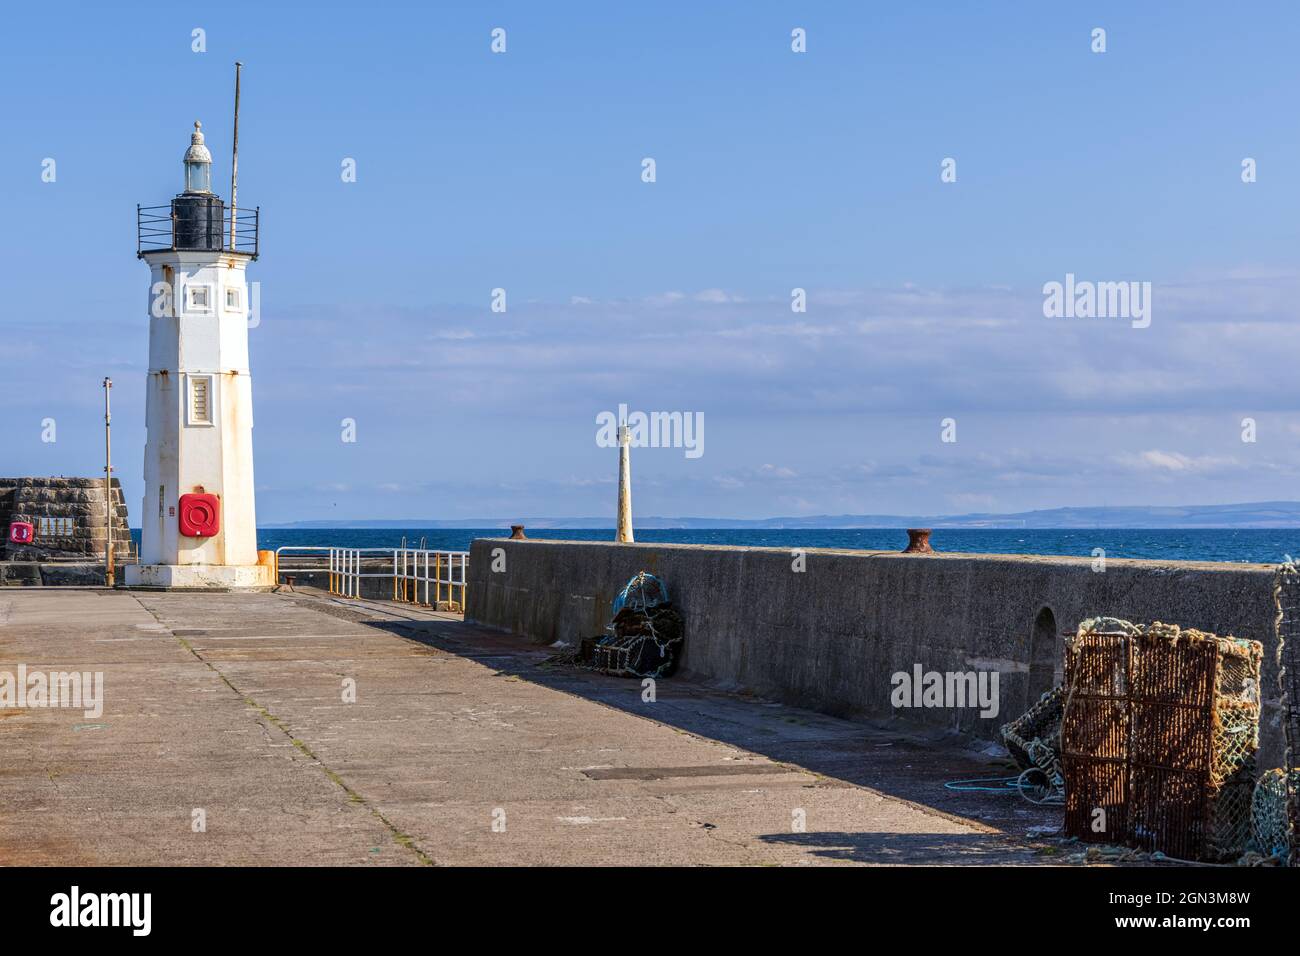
517,532
918,541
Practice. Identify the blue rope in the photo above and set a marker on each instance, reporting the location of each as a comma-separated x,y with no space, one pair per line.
1005,785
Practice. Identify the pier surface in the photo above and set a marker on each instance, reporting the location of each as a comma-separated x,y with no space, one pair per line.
463,746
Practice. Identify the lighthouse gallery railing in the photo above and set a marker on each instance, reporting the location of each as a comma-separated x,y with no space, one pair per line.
156,230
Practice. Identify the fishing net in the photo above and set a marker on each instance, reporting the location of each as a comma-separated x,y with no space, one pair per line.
1159,733
645,635
644,592
1270,826
1286,597
1034,741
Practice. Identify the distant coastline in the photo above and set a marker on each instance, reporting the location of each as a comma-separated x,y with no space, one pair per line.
1263,514
1253,545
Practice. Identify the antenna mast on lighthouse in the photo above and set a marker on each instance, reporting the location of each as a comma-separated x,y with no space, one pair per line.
234,160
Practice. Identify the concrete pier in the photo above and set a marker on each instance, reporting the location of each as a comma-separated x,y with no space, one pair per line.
463,745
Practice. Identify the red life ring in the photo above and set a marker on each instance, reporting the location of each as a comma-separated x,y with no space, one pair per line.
21,532
200,515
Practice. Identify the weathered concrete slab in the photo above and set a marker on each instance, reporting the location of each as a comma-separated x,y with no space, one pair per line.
122,788
235,704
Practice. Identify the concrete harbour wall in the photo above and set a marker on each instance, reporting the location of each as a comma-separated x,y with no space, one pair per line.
830,637
51,574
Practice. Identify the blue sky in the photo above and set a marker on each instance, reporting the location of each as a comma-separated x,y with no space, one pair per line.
775,170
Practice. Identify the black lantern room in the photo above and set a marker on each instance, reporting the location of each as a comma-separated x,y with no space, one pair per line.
197,219
199,215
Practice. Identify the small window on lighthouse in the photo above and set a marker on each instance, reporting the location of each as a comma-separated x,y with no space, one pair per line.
232,299
200,298
200,400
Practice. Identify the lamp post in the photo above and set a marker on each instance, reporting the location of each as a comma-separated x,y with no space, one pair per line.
623,534
108,486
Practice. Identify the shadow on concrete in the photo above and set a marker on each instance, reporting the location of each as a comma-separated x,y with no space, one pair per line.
897,849
895,759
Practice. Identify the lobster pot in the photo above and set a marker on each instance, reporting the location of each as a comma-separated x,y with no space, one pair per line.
626,657
644,643
1159,735
1034,738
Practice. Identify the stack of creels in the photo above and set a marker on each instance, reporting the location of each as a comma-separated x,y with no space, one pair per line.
1158,738
644,637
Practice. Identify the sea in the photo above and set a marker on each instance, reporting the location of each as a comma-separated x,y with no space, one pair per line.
1254,545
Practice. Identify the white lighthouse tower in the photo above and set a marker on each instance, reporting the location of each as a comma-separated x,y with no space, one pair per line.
198,525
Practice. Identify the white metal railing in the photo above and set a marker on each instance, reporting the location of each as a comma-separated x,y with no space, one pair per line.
416,568
419,575
295,549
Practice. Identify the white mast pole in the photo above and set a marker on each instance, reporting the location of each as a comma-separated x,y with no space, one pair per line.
234,160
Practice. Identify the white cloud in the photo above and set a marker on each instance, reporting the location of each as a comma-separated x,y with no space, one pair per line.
1050,412
713,296
1173,461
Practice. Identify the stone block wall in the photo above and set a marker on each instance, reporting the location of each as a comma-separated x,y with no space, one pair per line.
80,501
